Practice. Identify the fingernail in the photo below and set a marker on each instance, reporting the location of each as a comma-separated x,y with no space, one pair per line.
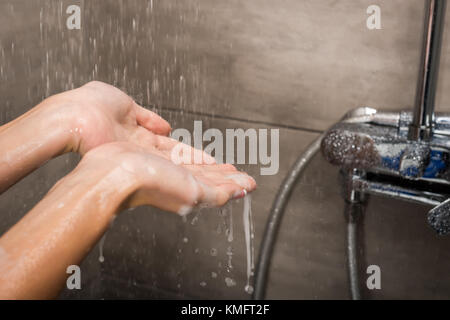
240,179
239,194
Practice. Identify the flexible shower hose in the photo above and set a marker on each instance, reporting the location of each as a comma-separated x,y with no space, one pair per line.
353,212
276,216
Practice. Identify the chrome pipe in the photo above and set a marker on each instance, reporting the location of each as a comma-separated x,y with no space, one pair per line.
276,216
422,125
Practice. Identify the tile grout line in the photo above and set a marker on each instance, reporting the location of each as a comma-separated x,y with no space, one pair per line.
222,117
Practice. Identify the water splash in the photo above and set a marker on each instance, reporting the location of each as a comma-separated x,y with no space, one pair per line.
249,235
230,258
195,218
230,227
230,282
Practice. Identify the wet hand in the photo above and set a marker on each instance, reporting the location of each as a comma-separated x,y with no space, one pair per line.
99,113
160,183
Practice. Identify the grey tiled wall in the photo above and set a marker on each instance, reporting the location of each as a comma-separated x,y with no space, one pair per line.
288,64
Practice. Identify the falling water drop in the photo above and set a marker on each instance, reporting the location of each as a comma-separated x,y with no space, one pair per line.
230,228
230,258
101,258
230,282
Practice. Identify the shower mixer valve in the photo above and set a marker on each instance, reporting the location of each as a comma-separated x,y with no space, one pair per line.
374,147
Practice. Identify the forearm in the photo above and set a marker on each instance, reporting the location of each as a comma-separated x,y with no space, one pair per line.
30,140
60,231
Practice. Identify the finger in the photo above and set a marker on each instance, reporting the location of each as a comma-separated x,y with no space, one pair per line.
181,153
216,195
223,169
166,143
244,180
228,191
240,189
239,178
213,177
151,121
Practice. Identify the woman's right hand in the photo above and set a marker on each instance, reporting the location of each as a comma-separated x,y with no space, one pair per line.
158,182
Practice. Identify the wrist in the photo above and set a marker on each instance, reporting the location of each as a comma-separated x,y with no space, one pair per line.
107,184
59,114
32,139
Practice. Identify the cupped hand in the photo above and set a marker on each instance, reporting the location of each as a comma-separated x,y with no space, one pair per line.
110,130
100,113
161,183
